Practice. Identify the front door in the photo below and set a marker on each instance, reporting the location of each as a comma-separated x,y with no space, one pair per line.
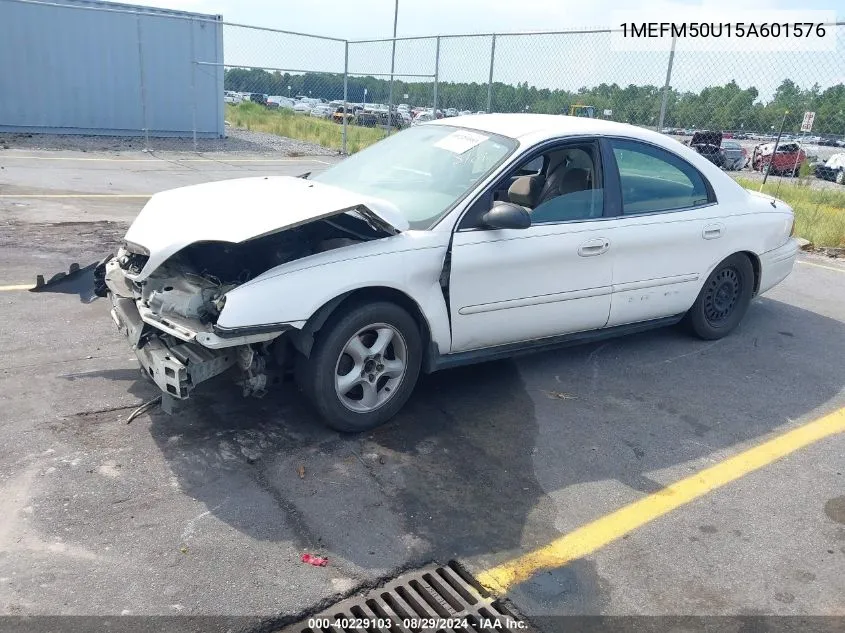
552,278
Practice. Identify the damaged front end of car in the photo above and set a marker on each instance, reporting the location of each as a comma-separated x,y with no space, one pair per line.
169,321
167,302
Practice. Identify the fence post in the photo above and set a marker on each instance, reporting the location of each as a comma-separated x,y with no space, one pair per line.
345,96
392,69
193,83
667,85
142,74
490,78
436,76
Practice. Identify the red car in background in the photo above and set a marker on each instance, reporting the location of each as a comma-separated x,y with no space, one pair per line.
786,161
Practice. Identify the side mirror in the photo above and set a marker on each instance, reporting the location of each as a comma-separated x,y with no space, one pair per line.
506,215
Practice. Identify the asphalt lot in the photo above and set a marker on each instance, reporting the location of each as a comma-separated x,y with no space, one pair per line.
204,512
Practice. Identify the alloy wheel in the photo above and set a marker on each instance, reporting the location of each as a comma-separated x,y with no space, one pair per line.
370,367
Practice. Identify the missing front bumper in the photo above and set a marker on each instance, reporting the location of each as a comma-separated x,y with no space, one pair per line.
177,369
175,366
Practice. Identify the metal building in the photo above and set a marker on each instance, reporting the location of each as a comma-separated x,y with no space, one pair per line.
89,67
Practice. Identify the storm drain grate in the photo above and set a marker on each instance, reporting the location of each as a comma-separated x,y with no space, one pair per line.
438,598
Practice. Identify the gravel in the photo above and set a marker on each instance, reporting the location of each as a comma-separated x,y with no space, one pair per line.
238,140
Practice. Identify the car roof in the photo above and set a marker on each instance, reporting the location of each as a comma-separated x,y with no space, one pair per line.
519,126
531,129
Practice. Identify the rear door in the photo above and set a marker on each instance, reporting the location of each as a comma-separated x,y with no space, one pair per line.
667,236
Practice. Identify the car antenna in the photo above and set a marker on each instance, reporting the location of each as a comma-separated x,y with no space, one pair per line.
305,175
772,158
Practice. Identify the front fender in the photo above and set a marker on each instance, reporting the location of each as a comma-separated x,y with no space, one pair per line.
293,297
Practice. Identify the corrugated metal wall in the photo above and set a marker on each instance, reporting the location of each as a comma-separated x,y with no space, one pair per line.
85,67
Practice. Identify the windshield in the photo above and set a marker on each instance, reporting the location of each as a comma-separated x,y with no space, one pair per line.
423,171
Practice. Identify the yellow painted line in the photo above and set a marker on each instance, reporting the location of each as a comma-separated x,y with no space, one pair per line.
76,195
16,287
839,270
170,160
590,537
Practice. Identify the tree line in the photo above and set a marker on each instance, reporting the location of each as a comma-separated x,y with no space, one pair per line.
726,107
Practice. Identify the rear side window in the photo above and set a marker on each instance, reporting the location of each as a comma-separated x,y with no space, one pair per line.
655,180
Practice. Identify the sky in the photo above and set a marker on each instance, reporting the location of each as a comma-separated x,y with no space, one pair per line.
544,61
374,18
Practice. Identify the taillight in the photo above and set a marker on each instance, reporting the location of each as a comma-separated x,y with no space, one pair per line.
792,228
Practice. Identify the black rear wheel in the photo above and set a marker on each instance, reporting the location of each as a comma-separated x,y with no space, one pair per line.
723,299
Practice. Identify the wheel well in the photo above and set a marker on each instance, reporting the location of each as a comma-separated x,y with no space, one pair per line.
304,339
755,264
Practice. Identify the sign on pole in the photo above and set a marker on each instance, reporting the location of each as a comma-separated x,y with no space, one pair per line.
807,123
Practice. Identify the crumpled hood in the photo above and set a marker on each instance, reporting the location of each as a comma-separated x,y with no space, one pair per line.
243,209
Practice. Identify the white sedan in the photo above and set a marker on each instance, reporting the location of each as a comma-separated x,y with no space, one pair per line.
445,244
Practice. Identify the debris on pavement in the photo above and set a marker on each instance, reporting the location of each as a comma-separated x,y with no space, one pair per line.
317,561
143,409
804,244
559,395
301,471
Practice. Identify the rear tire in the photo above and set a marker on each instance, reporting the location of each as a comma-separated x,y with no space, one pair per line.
363,367
723,299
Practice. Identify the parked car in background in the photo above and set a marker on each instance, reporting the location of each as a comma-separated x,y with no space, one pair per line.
232,97
258,97
347,113
424,116
275,102
440,246
322,111
735,156
786,161
832,169
464,112
368,116
709,145
302,107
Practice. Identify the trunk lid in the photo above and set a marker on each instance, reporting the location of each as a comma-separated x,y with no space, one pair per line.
243,209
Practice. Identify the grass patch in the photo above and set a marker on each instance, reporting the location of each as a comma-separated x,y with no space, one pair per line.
257,118
819,213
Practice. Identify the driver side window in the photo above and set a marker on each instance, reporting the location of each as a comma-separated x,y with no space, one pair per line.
568,187
563,184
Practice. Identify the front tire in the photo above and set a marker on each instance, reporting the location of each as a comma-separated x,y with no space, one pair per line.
363,367
723,300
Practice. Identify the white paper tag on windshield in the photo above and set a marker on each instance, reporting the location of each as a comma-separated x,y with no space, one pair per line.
461,141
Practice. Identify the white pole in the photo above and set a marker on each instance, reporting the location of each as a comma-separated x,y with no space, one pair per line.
392,68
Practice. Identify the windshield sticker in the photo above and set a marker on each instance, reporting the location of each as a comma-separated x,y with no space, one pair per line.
461,141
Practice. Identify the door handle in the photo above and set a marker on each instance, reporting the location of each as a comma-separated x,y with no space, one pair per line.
593,247
712,231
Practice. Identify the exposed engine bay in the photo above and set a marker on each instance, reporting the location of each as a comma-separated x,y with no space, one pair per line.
169,316
192,283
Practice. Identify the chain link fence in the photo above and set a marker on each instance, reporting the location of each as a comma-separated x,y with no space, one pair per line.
172,73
